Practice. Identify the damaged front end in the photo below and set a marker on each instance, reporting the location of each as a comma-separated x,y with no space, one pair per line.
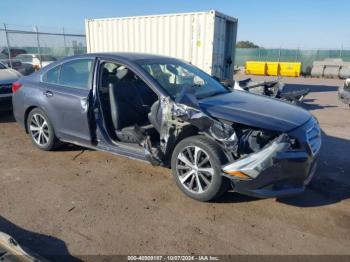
274,171
183,117
259,163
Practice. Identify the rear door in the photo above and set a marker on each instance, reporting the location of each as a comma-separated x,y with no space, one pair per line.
68,91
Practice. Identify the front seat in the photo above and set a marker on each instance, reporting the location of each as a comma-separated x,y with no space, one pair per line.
126,109
124,134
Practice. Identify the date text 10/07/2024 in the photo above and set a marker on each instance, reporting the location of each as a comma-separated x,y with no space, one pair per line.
173,258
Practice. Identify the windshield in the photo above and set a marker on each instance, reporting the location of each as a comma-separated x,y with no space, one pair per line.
173,76
2,66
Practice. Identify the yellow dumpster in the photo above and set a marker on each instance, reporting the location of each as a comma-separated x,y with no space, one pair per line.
272,68
290,69
255,68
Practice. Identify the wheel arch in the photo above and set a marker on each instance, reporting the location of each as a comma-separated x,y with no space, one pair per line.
27,112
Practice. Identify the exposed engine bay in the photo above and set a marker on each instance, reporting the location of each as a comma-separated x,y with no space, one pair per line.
184,115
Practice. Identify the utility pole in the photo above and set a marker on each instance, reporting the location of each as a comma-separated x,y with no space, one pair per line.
64,42
38,44
8,45
279,54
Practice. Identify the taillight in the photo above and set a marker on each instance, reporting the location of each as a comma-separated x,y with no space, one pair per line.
16,86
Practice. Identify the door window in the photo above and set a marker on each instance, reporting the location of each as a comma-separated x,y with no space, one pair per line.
52,75
76,73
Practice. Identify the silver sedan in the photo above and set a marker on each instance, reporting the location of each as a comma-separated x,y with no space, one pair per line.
7,77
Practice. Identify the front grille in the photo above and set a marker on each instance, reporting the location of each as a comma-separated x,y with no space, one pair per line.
313,137
5,89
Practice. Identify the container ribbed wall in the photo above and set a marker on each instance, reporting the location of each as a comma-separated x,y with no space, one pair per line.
198,38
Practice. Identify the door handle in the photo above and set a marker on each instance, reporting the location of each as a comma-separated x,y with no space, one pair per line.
48,93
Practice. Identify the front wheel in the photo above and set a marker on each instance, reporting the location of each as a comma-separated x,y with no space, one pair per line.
196,166
41,131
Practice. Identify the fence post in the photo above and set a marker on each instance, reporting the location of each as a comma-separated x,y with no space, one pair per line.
64,42
279,54
38,44
8,45
341,52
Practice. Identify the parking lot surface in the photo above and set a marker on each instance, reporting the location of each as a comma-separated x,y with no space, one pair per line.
77,201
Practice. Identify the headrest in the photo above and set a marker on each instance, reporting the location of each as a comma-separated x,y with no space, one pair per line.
122,71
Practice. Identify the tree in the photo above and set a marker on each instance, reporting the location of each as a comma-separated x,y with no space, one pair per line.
246,44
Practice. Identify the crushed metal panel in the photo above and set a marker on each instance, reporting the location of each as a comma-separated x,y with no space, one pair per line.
255,163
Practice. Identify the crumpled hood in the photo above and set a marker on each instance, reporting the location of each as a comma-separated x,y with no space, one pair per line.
8,76
255,110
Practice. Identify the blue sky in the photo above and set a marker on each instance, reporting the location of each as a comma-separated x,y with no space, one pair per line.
269,23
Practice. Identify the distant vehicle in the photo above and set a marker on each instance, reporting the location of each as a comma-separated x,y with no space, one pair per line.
344,92
7,77
13,51
171,113
13,63
36,61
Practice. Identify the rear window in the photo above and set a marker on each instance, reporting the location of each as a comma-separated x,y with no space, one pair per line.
76,73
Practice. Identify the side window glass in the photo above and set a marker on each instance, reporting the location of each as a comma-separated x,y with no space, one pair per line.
76,73
52,75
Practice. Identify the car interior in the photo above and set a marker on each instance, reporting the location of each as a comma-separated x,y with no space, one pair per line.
129,105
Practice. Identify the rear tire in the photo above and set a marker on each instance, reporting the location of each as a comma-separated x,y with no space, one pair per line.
41,131
196,166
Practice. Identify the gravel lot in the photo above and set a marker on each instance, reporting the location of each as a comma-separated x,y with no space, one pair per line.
77,201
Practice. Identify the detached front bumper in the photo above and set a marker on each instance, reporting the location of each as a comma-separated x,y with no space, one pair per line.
275,171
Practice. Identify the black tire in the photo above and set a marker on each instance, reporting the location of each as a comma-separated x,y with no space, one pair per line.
219,184
52,141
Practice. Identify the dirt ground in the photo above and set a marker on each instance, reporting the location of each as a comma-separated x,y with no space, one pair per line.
79,202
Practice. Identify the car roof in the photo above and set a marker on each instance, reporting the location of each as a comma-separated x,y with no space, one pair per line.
128,56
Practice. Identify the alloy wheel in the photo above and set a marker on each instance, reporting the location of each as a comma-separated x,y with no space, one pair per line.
39,129
194,169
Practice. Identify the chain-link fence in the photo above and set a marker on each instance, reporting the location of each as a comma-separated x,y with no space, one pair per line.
306,57
29,48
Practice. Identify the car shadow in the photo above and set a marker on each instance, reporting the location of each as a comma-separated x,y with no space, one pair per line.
315,106
66,147
6,116
48,247
233,197
313,88
307,102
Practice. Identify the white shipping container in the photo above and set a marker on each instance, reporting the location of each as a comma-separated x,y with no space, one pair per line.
205,39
